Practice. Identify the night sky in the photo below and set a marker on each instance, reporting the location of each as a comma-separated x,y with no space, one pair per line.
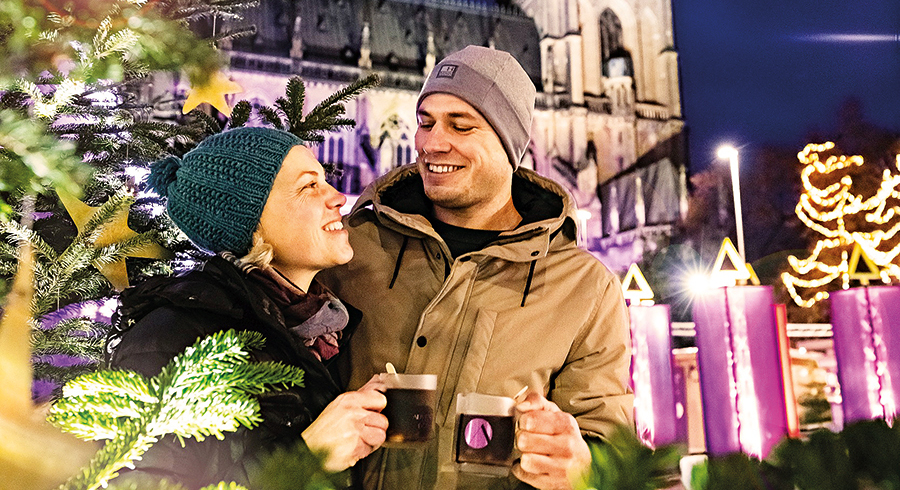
762,72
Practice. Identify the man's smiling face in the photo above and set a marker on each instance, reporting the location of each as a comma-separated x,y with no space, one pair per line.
463,164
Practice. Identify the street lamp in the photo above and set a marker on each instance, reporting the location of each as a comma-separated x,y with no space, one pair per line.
731,154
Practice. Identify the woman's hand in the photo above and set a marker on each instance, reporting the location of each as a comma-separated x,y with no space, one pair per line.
350,427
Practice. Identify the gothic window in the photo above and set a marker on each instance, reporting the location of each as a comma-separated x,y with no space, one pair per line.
331,150
610,35
404,152
395,148
614,58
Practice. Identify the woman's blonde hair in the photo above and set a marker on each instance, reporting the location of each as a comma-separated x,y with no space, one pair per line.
260,254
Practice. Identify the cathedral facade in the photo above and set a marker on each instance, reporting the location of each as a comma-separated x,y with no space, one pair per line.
608,120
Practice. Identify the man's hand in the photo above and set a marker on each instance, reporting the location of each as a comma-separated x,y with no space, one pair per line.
350,427
554,454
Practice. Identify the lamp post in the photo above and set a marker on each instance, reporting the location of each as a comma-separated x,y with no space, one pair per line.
731,154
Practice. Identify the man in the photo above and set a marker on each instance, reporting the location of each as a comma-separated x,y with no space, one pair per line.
466,267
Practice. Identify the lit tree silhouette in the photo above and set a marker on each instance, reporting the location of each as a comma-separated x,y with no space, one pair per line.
847,205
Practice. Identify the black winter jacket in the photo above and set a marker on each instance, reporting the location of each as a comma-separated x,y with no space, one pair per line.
159,318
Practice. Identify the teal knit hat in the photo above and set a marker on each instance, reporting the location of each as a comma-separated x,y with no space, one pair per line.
217,191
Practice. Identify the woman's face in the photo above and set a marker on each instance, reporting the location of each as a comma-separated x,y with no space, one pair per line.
302,219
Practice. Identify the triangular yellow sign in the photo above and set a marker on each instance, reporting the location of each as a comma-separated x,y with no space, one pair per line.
754,279
872,270
635,287
729,266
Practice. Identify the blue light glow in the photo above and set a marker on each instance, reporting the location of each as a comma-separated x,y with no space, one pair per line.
852,38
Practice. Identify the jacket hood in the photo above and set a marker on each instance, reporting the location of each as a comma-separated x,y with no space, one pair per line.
399,202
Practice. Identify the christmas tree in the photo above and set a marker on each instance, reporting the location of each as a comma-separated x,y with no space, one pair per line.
849,207
72,128
76,136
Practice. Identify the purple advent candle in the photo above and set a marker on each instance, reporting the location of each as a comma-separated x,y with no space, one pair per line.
866,331
741,380
655,414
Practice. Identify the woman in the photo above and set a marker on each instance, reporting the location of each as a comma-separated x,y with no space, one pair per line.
258,199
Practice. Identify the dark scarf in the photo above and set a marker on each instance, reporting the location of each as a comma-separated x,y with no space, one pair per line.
315,317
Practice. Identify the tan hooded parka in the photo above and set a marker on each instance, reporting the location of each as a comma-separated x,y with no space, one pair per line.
529,309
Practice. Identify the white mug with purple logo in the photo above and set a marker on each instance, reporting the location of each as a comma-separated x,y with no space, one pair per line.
485,433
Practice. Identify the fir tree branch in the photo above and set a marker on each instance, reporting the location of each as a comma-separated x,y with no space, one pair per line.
206,123
233,33
294,468
251,340
8,267
98,404
87,348
623,463
78,326
119,250
69,276
119,382
212,414
131,442
89,426
225,486
117,203
191,11
205,391
240,114
33,159
143,482
326,116
59,375
348,92
271,116
20,233
292,104
60,287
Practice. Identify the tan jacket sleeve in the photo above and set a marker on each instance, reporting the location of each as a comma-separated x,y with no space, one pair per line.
594,384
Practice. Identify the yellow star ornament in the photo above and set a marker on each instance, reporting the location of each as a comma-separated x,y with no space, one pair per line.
115,231
213,93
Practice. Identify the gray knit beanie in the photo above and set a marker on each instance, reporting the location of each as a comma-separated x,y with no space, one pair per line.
494,83
217,191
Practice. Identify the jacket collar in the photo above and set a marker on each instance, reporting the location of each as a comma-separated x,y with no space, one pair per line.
224,290
398,201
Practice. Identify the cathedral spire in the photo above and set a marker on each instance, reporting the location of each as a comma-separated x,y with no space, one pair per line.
430,53
365,48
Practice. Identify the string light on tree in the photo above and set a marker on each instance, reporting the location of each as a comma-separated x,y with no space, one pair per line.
831,206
